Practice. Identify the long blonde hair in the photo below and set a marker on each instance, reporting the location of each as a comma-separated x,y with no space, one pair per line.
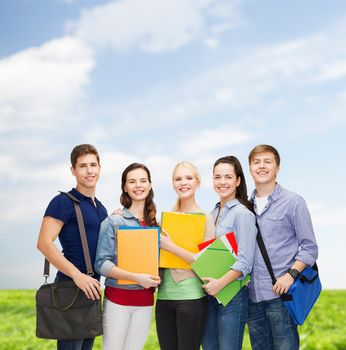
195,173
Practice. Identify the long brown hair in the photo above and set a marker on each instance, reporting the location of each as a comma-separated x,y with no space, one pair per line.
149,212
241,191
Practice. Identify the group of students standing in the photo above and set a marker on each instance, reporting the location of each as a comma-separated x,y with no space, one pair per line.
187,313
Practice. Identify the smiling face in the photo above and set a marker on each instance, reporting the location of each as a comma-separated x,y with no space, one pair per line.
137,184
264,169
185,181
87,172
225,182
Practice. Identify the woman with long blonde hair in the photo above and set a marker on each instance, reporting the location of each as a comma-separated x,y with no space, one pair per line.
181,307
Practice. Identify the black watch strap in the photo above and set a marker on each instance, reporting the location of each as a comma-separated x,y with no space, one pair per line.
294,273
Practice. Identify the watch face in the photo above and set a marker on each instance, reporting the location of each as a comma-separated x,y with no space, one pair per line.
293,272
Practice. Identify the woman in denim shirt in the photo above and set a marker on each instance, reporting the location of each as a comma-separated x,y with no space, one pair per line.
127,308
225,325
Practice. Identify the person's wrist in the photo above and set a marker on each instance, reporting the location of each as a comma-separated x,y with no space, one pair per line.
75,274
137,278
294,273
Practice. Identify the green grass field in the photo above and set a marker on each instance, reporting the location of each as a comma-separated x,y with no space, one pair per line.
325,328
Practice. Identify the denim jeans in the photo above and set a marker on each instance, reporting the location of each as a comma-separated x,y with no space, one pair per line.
225,325
81,344
271,327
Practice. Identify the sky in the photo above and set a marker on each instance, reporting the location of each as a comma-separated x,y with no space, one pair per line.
162,81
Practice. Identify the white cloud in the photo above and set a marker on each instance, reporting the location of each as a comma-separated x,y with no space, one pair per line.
229,13
328,218
34,159
213,139
153,25
333,70
329,225
39,85
28,192
212,43
18,276
265,78
336,114
268,77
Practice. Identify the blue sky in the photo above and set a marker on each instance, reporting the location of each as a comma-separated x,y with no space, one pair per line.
161,81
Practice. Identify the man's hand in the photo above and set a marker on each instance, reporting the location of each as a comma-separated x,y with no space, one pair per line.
89,285
283,284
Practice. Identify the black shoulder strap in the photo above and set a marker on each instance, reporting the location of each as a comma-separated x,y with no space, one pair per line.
83,237
262,246
264,253
265,256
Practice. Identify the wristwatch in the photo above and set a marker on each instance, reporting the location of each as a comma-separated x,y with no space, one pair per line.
294,273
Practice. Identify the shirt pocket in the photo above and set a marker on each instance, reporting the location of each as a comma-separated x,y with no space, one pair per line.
276,217
276,228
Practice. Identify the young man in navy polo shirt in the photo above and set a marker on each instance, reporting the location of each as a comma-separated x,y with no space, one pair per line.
60,221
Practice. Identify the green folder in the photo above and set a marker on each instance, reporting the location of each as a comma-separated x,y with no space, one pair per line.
214,262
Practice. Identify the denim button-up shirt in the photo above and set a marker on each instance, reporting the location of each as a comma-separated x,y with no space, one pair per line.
288,235
235,217
106,252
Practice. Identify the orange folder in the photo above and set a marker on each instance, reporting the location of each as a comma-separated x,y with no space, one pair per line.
187,230
138,250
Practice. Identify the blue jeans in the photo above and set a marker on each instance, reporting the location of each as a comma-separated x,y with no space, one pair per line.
81,344
225,325
271,327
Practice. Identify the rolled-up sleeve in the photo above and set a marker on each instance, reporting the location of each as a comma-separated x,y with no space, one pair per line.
106,256
308,249
246,231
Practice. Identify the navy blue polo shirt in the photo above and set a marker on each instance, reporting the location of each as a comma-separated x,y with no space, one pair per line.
62,208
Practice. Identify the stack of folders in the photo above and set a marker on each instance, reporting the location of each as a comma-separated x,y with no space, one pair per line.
138,250
215,259
187,230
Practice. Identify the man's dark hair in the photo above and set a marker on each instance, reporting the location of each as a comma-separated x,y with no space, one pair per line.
82,150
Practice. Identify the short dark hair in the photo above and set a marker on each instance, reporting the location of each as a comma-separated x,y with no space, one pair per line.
262,149
82,150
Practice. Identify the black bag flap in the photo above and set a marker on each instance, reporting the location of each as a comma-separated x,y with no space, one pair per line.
62,295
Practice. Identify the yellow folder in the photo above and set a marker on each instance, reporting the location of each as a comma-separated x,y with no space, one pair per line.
138,250
187,230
